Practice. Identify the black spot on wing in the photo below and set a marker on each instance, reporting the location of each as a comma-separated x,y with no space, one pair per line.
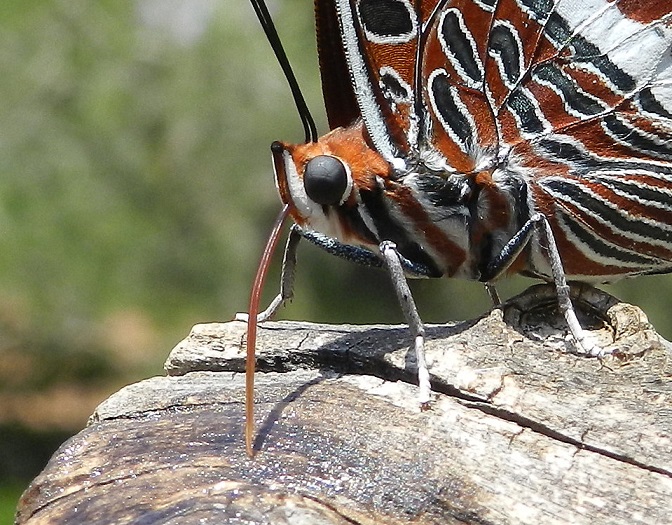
461,46
385,18
638,192
537,9
526,112
450,110
601,248
558,32
628,135
394,88
585,162
573,192
572,96
504,47
648,102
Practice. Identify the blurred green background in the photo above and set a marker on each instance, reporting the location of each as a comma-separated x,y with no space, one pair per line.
136,194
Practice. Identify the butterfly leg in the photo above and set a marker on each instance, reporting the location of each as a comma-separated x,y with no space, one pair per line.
511,251
492,293
332,246
287,275
362,256
584,345
393,263
398,267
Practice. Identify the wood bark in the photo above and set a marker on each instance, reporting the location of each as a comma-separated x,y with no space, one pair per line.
520,431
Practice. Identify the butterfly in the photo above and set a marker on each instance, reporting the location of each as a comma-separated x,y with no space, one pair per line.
479,138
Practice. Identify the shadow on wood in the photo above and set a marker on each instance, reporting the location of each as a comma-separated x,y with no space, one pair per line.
520,430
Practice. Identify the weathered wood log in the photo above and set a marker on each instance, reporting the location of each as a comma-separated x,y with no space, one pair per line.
520,430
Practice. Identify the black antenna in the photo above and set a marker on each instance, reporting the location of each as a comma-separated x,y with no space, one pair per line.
266,21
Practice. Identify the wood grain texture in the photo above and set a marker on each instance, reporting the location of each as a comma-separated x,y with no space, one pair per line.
520,430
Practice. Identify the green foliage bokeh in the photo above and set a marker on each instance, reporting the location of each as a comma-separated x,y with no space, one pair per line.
136,190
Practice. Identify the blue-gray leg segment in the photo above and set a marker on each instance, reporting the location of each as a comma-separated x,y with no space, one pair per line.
362,256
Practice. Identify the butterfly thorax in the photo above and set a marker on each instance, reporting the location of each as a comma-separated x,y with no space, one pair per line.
452,223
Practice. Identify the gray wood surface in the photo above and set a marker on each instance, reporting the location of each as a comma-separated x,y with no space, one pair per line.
520,429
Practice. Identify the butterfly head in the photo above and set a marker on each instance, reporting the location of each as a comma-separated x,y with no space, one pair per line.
322,181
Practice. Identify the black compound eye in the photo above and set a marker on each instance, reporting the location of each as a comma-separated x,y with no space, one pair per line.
325,180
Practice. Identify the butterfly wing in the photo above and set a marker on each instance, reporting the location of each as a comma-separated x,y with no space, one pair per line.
459,121
339,95
379,52
583,97
573,97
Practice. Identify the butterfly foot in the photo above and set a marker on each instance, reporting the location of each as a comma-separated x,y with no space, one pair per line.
600,351
587,345
261,316
425,394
